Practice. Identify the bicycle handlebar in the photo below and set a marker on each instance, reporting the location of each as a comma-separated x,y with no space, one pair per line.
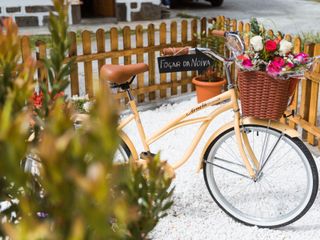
218,33
175,51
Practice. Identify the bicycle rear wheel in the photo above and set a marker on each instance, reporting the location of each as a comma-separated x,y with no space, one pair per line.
122,154
283,193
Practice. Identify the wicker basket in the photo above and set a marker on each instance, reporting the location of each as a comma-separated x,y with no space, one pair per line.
263,96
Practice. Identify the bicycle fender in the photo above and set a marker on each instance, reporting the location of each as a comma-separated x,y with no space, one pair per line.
248,121
130,145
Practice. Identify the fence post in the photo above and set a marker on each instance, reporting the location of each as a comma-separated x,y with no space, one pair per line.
233,66
86,43
140,59
194,37
203,30
126,33
246,32
294,105
101,48
74,75
163,42
184,39
25,48
41,55
314,95
114,46
173,39
151,60
305,92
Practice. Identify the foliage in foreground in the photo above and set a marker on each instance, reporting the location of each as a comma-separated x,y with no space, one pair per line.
84,194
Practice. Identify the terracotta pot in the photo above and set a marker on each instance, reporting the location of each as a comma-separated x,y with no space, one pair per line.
207,90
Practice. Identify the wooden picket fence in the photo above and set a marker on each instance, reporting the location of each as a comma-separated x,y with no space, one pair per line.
125,46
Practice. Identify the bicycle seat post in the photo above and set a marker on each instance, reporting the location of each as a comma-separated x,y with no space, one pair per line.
129,94
127,89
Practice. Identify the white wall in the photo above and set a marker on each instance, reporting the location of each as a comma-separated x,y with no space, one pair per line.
29,3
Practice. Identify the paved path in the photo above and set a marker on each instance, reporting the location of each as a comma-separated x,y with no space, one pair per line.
290,16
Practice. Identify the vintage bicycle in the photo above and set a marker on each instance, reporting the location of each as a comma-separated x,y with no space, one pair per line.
258,171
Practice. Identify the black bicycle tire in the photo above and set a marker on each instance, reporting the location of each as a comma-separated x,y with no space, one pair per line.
126,149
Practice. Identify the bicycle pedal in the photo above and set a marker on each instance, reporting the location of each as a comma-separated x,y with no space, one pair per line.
147,155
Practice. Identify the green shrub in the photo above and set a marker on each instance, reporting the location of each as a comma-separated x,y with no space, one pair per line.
84,195
310,37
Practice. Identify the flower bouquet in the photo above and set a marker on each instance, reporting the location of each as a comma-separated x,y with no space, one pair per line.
266,69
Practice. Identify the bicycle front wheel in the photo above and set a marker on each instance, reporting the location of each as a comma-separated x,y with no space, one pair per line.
284,190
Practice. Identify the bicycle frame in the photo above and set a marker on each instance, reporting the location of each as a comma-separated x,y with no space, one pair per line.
249,159
182,120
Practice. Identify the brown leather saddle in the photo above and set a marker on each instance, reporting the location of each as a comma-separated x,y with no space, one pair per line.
122,74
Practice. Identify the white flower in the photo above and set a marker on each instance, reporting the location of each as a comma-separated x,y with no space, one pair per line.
256,43
210,26
87,106
285,47
75,98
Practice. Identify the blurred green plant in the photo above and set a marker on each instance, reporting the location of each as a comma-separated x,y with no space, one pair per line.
58,70
149,192
309,37
84,194
16,86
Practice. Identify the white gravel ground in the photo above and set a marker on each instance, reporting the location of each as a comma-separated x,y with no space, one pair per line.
194,214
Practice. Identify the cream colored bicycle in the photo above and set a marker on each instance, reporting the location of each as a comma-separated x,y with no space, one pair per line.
258,171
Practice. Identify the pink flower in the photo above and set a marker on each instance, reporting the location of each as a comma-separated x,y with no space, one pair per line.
247,63
279,62
290,65
271,46
302,57
273,68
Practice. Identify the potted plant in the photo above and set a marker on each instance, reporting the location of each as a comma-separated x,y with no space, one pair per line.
208,85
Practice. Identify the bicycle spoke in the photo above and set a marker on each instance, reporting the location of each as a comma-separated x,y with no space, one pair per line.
227,161
270,154
277,161
232,154
229,170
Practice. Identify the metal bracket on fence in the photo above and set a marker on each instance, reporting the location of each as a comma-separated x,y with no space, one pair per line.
292,114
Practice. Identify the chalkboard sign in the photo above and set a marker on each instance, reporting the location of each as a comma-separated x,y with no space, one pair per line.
191,62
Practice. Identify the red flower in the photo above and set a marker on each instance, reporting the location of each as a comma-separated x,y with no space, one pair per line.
271,46
60,94
242,57
37,99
